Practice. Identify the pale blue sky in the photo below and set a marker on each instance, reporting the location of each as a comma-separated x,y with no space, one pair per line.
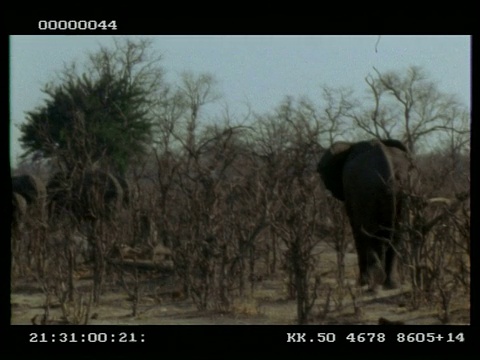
259,70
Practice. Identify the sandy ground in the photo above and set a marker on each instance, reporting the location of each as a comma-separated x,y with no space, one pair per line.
267,305
116,309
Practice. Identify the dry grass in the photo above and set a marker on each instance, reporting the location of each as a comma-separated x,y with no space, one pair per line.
268,304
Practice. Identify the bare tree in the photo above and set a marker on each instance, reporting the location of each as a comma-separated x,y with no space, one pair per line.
409,107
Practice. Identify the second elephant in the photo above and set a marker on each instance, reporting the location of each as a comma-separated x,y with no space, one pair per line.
370,177
94,195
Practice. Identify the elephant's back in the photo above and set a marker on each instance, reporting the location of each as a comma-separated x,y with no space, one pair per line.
368,169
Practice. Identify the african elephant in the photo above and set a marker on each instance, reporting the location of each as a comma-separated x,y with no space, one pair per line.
93,195
370,177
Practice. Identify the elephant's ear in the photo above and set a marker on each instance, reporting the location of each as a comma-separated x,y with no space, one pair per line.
396,144
331,165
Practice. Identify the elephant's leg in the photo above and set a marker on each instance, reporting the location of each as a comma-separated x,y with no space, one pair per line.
391,263
375,263
362,265
362,247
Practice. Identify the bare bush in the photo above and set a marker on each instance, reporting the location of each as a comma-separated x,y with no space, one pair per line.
437,253
217,209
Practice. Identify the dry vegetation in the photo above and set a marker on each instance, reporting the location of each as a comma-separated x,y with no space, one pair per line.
225,235
230,224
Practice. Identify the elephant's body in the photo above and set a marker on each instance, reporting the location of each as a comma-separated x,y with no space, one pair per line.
369,177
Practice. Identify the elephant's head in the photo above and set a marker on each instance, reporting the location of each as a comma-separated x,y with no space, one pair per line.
94,194
30,187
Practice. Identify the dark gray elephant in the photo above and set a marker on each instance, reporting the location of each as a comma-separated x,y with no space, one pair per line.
370,177
95,194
